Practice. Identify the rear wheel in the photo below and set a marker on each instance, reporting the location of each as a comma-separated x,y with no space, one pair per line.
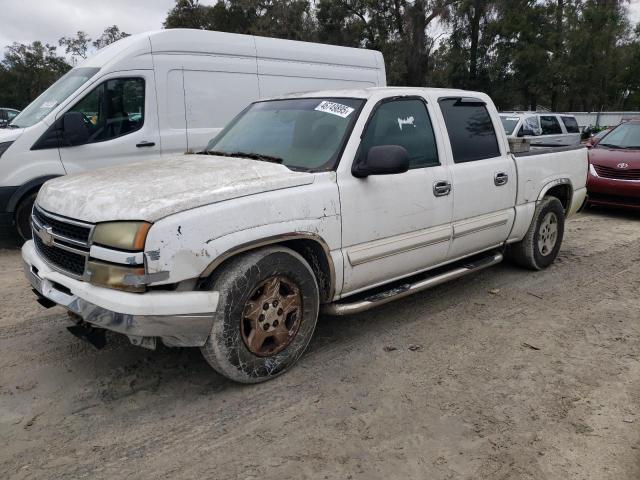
540,246
267,313
23,216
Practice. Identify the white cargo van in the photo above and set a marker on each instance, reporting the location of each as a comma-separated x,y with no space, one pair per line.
161,92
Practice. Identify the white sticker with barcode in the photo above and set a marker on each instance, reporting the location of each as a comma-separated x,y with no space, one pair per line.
335,109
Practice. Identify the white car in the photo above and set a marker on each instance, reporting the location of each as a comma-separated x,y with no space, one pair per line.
158,93
335,200
542,129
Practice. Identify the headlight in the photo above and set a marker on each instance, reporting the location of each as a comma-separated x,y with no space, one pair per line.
115,276
4,146
122,235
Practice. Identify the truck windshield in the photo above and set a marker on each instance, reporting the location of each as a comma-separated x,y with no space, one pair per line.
303,133
626,136
53,96
509,123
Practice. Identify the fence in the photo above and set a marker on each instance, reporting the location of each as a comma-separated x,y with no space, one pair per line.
602,119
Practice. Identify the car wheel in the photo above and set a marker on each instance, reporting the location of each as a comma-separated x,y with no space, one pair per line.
23,216
540,246
266,315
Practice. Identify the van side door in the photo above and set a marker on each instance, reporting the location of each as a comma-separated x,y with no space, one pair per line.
572,128
484,182
552,134
120,115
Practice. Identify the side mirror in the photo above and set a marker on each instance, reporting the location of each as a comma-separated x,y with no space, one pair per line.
74,129
382,160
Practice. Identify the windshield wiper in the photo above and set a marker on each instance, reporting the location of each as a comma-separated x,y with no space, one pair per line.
250,155
11,125
609,145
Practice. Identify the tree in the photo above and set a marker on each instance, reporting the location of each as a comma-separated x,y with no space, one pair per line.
76,46
27,70
111,34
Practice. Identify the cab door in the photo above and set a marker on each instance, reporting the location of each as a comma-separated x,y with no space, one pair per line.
395,225
483,175
120,113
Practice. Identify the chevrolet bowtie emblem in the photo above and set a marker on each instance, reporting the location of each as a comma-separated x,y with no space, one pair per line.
45,234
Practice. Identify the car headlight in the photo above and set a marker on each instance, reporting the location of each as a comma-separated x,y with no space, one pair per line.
120,277
123,235
4,146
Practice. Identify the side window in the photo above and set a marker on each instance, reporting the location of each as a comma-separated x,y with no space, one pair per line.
11,115
571,124
113,109
405,123
550,125
471,131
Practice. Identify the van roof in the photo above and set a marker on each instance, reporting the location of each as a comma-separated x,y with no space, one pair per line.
204,42
366,93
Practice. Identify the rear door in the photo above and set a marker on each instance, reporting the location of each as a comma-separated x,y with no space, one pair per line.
552,133
573,130
483,176
121,115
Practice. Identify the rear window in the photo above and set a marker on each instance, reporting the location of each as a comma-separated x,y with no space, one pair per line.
571,124
509,123
470,129
550,125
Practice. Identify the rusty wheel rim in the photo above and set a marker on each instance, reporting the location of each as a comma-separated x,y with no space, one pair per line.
271,316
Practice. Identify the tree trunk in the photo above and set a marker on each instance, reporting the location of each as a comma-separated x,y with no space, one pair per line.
475,39
557,57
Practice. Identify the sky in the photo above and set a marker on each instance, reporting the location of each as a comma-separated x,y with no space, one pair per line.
47,20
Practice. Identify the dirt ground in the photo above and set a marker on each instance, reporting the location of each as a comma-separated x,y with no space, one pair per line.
507,374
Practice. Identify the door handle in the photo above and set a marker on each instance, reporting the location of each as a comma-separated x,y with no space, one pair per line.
441,188
145,144
500,179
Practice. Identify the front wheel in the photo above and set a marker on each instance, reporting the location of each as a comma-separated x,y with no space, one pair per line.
540,246
267,313
23,216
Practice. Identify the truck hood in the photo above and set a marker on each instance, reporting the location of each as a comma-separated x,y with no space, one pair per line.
611,157
158,188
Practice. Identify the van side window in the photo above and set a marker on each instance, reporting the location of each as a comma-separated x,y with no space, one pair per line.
405,123
471,131
550,125
571,124
113,109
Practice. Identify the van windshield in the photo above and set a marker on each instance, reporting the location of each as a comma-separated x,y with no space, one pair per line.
53,96
509,123
303,133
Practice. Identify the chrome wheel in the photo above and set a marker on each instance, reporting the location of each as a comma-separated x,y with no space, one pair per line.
548,234
271,316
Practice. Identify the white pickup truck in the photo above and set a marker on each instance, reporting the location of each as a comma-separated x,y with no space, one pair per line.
333,201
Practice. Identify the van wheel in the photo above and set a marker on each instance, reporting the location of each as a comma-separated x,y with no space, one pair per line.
540,246
23,216
267,313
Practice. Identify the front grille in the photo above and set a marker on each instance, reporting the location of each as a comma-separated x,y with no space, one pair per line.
60,227
57,257
617,173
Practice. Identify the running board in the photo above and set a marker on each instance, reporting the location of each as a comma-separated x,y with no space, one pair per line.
406,289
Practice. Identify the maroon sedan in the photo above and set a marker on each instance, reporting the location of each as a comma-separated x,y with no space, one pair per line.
614,168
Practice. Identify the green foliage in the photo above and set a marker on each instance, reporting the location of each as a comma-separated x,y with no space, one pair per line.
558,54
27,70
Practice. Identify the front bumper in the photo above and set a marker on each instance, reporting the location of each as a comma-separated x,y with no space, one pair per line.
612,191
179,319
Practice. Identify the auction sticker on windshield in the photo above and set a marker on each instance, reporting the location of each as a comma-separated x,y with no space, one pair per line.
335,109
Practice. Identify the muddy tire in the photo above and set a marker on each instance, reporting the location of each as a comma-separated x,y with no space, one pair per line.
540,246
267,313
23,216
